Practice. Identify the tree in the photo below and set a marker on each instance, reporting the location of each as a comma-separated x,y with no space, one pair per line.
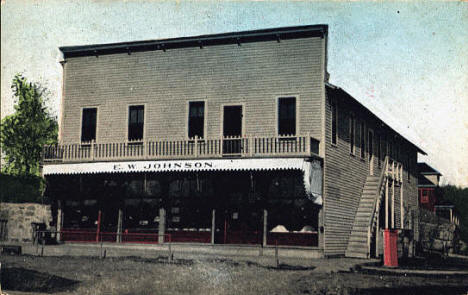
24,133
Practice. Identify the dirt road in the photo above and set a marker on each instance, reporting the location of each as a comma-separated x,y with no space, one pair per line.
88,275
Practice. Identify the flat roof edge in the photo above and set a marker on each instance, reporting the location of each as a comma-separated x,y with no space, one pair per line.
153,44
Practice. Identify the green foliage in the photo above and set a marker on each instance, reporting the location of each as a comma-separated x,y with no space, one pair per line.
24,133
21,189
459,198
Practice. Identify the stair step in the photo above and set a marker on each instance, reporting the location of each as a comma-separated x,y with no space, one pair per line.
358,234
355,255
368,195
366,204
361,239
360,227
362,216
365,210
358,247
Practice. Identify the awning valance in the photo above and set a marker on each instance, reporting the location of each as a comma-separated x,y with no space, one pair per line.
175,165
311,168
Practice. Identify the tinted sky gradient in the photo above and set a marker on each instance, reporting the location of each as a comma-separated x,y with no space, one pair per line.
406,61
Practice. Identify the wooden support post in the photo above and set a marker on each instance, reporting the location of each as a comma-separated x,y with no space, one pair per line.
319,230
386,203
276,254
213,226
100,251
377,235
393,203
119,226
265,227
411,226
162,225
251,146
98,229
195,147
92,150
170,256
42,243
59,220
402,208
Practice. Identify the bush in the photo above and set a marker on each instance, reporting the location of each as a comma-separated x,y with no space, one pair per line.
21,189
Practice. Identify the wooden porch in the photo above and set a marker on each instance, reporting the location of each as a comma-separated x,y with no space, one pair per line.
196,148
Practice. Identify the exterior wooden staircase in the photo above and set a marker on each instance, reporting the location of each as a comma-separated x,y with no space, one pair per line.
365,222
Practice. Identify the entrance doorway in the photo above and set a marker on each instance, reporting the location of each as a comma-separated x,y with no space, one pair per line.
370,146
232,130
238,217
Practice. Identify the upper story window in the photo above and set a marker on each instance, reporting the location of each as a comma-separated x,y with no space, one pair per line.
408,166
352,134
363,141
334,119
390,148
398,156
88,124
136,121
196,119
287,116
379,149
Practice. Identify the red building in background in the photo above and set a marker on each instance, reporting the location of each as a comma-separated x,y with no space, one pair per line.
428,181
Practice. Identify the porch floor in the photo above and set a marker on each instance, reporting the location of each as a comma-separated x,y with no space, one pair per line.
178,249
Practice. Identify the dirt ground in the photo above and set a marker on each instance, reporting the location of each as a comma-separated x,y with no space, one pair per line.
131,275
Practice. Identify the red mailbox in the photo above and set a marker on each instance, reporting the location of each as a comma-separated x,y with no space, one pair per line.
390,248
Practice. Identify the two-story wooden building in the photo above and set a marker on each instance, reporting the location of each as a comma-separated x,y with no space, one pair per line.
233,138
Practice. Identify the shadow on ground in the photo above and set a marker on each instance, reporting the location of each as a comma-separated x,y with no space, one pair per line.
434,262
426,290
26,280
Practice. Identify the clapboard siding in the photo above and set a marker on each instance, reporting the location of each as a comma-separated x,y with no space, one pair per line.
346,174
253,74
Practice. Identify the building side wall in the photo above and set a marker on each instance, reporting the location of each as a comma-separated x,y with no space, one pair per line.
346,174
252,74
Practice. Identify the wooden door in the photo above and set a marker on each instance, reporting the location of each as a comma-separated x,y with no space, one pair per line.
232,129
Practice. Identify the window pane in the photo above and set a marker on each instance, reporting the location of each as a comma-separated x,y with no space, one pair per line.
334,122
196,119
136,122
351,133
140,119
287,116
363,142
88,124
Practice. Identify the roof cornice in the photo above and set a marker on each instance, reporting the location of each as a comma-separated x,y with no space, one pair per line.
197,41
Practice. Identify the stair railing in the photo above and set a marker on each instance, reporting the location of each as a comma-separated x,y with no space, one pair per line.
377,200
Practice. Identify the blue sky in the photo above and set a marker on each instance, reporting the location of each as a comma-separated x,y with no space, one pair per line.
406,61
